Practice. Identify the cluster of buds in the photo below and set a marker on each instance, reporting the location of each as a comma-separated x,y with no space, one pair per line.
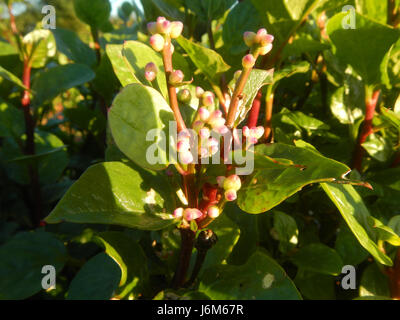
150,71
161,30
252,135
231,185
260,42
188,214
183,147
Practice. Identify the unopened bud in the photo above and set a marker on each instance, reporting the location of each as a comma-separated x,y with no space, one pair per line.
184,96
186,157
204,114
178,213
208,99
248,38
183,146
213,212
246,131
204,133
176,29
176,77
199,92
264,50
232,182
150,71
248,61
157,42
230,195
192,214
197,125
267,39
163,25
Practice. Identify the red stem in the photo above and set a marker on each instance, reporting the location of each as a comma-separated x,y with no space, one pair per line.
394,277
366,129
255,110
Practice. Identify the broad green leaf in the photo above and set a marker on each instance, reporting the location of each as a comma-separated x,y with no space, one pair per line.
349,248
51,163
207,60
121,68
319,258
373,9
94,12
50,83
392,117
378,147
259,278
315,286
209,10
73,47
228,234
265,189
355,213
289,70
125,11
7,49
238,22
128,255
303,45
139,115
11,120
374,282
114,193
170,8
39,45
286,231
257,79
394,224
11,77
365,53
22,259
347,103
96,280
385,233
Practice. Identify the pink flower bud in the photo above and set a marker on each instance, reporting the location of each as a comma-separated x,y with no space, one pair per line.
212,142
246,131
176,29
230,195
204,114
192,214
152,27
197,125
222,129
248,61
262,32
184,135
150,71
186,157
204,152
248,38
199,92
183,146
214,150
217,123
264,50
213,212
257,132
220,181
176,77
252,140
204,133
232,182
157,42
178,213
163,25
184,96
267,39
208,99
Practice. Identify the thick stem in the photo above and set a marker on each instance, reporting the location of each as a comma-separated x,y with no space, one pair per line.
394,277
12,20
366,130
255,110
391,12
187,243
173,100
269,104
30,145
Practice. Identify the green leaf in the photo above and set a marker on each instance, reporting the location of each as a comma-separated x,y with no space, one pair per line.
392,117
94,12
349,248
289,70
394,224
355,213
136,110
260,278
39,45
368,53
50,83
238,22
265,189
11,120
51,163
207,60
11,77
378,147
374,282
303,45
73,47
128,255
114,193
7,49
257,79
315,286
319,258
373,9
22,259
96,280
385,233
286,231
